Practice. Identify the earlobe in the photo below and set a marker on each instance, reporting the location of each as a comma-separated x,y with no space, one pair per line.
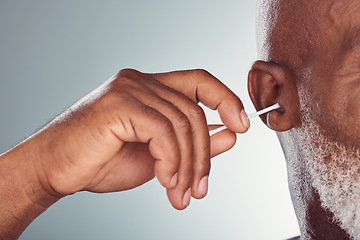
269,83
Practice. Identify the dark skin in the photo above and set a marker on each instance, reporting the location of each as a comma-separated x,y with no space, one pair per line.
130,129
313,45
311,39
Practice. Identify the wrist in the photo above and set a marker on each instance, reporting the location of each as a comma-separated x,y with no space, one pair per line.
22,196
39,191
23,175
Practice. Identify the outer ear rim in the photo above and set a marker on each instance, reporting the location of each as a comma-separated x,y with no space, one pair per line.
288,116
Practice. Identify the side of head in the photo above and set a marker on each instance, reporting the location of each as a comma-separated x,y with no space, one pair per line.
315,46
310,64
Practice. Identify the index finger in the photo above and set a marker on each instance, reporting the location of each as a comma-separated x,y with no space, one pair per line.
201,86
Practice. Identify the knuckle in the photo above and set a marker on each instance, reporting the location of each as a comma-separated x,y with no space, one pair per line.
232,101
125,77
128,82
202,72
119,83
183,124
195,112
165,128
127,72
234,98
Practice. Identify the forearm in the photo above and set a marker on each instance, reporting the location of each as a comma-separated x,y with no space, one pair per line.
22,198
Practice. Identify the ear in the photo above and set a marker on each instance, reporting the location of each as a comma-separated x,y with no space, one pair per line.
270,83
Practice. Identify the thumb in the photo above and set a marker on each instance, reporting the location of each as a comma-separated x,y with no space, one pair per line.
221,141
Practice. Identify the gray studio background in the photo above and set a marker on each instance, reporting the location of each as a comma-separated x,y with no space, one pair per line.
54,52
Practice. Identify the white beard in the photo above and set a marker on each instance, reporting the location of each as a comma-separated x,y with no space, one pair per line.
334,171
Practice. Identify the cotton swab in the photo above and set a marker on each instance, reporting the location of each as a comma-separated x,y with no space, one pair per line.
263,111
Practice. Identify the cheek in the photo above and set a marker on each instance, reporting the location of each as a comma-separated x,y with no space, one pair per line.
339,111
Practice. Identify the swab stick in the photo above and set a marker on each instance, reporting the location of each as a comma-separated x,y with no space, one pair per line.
263,111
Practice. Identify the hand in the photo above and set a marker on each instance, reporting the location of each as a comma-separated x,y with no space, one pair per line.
134,127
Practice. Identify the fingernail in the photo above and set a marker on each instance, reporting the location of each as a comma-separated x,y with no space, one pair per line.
203,186
187,197
173,181
244,119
